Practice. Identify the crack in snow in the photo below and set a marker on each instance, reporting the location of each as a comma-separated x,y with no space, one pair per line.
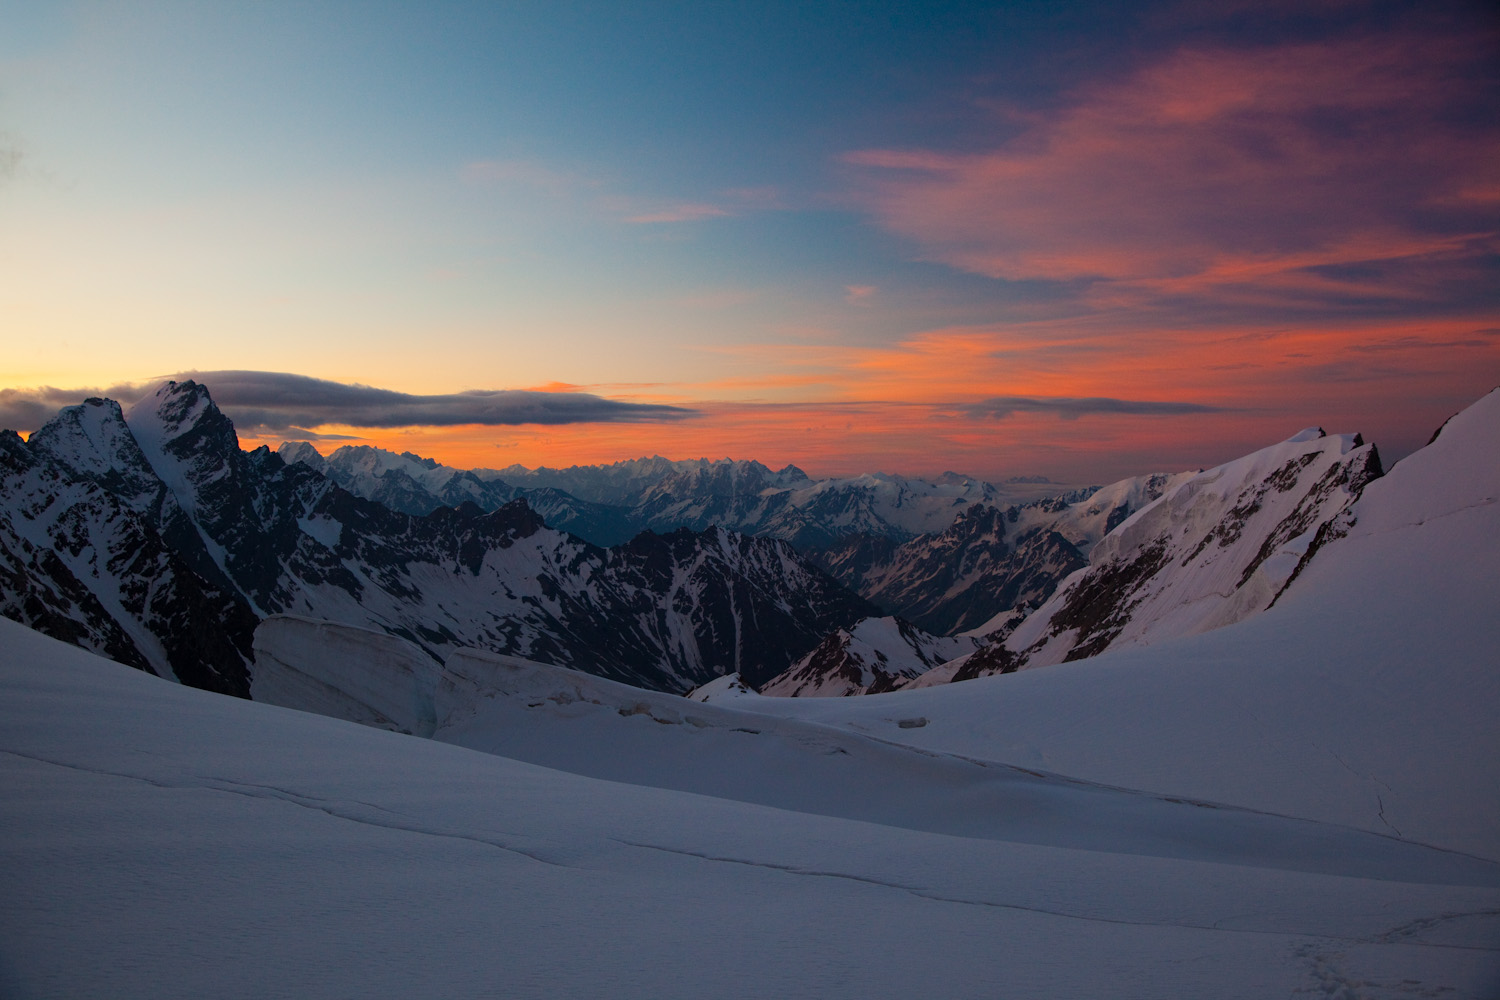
1379,801
328,807
924,893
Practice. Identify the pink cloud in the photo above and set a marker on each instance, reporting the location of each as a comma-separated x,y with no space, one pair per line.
1262,171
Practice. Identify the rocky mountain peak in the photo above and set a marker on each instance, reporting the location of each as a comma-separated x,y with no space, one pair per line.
184,434
301,451
92,441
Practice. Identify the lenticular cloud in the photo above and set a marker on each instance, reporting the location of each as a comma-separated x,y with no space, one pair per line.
280,401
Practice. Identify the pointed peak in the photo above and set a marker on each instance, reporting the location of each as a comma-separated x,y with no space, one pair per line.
172,400
185,392
300,451
84,418
177,411
89,439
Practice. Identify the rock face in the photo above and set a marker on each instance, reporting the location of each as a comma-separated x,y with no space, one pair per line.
153,538
95,567
878,654
1213,550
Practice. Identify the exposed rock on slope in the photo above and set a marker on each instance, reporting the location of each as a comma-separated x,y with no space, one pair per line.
878,654
1212,551
85,565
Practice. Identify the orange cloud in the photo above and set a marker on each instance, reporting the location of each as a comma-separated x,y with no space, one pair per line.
1078,403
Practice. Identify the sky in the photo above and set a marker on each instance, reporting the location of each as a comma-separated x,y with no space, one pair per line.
1081,240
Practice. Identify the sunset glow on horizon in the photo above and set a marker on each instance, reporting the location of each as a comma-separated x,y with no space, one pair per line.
1079,241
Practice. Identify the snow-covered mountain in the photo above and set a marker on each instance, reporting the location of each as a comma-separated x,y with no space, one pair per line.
878,654
1167,556
199,521
1301,803
416,485
99,568
978,579
1215,548
608,504
990,559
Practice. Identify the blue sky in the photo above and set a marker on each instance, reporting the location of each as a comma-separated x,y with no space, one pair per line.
750,209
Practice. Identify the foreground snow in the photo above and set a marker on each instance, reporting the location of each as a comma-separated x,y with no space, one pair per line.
160,841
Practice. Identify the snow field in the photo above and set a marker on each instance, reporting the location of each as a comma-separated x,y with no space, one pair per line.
160,841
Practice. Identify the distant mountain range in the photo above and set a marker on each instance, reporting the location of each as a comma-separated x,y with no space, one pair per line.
946,554
609,504
152,538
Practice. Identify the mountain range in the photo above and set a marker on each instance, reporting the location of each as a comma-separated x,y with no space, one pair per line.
1263,764
1205,550
153,538
609,504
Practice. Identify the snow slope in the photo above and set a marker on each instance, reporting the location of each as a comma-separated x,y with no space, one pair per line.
159,841
1367,696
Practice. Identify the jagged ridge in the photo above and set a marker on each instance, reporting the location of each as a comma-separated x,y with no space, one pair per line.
238,536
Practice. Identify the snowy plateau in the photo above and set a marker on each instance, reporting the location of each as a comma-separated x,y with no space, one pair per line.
1245,745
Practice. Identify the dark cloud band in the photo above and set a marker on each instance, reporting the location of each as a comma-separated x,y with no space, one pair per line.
276,401
28,409
1070,408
